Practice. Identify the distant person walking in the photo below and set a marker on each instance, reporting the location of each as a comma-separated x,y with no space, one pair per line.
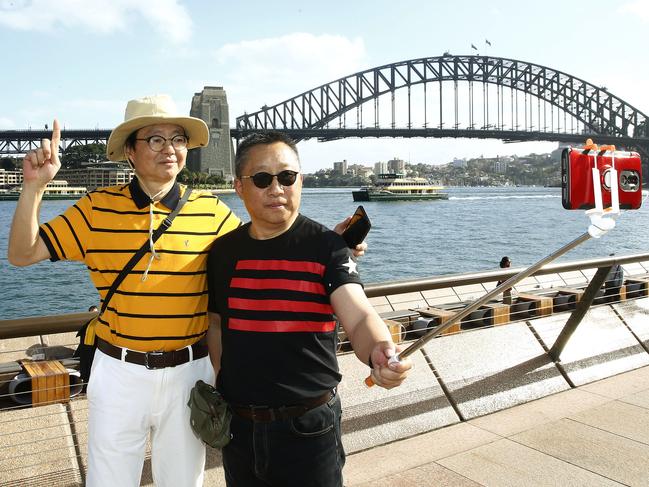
505,262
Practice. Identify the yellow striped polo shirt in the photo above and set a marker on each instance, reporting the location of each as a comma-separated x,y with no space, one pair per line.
168,310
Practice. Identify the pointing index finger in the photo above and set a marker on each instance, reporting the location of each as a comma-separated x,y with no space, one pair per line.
56,136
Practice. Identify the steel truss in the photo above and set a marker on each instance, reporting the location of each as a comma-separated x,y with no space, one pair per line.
599,111
19,142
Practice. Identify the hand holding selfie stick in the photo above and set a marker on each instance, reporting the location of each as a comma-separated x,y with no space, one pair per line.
601,221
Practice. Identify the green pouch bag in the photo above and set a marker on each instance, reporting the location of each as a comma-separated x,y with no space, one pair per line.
210,416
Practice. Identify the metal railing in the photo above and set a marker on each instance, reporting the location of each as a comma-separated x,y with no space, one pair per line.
47,325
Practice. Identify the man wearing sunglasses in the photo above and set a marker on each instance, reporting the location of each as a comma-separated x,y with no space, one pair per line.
275,285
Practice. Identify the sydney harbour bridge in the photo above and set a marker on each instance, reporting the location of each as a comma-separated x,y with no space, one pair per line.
443,96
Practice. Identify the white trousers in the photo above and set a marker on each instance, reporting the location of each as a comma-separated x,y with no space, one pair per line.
126,402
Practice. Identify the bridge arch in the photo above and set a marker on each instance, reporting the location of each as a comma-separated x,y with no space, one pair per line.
598,110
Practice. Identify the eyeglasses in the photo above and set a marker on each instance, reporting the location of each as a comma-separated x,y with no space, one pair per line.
157,142
263,179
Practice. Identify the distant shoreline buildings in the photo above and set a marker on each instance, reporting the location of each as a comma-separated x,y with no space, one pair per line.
91,177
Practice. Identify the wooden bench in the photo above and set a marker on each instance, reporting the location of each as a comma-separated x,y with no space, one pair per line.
543,303
50,382
636,287
499,313
441,315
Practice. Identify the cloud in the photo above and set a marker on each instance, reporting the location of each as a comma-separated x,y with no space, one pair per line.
268,71
639,8
102,16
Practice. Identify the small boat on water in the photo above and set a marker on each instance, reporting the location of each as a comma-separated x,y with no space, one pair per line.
397,187
55,190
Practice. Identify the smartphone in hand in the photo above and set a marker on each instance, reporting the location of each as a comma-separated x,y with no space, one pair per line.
357,228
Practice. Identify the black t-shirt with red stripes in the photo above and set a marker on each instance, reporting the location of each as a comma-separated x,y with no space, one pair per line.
277,326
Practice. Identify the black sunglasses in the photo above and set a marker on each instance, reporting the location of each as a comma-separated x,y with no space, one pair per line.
263,179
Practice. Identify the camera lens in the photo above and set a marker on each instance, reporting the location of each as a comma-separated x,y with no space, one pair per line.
629,181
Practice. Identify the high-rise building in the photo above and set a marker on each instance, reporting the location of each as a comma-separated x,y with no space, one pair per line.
397,166
341,167
211,106
380,167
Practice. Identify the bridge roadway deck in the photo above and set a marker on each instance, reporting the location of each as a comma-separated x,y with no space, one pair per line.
595,435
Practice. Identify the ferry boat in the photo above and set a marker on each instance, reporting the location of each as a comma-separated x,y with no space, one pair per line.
393,187
55,190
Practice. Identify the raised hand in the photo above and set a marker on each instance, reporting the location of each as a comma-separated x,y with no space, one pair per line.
40,166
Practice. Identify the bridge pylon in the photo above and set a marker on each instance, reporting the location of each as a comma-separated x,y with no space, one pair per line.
211,105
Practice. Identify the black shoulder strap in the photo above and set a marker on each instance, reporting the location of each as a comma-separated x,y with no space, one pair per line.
144,249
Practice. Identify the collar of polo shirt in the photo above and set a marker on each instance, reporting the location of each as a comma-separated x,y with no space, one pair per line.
142,200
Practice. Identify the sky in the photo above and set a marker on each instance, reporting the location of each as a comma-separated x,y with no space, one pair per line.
81,61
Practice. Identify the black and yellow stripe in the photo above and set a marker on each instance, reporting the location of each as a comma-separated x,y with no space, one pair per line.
106,227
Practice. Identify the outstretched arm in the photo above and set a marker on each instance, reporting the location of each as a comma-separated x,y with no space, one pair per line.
26,247
368,335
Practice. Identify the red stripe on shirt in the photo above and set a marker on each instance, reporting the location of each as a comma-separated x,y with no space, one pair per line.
282,265
279,305
285,284
280,326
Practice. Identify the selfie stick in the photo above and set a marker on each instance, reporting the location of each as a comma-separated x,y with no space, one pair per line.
601,221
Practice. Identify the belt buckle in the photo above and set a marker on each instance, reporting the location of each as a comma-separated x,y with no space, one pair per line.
152,354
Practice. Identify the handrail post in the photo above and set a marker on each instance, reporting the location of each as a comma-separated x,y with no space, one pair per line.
579,312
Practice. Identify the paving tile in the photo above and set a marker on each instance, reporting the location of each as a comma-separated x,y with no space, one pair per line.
535,413
371,465
396,299
635,314
14,348
430,474
640,399
633,269
621,385
214,476
439,293
378,300
601,346
621,418
604,453
373,416
505,463
549,280
36,447
573,277
490,369
443,300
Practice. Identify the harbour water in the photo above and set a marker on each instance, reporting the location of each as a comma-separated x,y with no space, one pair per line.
469,232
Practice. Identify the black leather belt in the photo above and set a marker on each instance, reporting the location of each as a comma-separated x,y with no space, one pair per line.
263,414
154,360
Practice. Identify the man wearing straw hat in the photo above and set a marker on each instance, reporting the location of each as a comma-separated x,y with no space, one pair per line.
151,337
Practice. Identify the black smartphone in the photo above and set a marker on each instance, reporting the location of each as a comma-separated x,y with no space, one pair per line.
357,228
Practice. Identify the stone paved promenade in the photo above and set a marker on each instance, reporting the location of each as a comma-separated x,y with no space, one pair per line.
593,435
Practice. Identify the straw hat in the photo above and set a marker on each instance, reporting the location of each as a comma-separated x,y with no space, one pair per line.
152,110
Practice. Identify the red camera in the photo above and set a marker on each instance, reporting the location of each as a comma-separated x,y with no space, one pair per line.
578,184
